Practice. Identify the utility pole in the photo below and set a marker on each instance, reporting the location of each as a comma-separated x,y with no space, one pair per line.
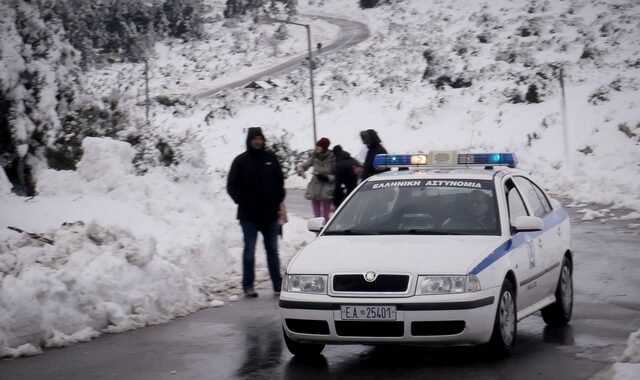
146,88
271,20
567,158
313,102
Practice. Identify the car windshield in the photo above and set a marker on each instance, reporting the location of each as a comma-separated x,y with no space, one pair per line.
419,207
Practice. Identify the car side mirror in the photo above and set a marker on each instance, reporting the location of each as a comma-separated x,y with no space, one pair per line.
528,223
315,224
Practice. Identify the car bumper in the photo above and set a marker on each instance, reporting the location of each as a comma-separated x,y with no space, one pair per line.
439,320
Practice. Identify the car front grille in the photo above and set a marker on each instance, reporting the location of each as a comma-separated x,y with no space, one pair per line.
384,283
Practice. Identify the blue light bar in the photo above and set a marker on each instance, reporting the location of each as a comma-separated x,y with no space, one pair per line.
488,159
381,161
434,159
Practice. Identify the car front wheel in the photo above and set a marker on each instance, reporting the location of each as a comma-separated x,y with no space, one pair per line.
302,349
503,337
559,312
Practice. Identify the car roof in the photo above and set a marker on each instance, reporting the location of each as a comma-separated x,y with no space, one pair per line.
480,173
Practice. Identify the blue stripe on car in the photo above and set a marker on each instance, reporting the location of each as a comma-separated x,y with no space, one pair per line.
518,239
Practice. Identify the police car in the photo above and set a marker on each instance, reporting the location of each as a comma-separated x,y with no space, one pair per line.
454,250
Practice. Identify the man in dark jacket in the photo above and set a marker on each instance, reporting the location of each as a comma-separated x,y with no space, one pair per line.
256,185
346,178
375,147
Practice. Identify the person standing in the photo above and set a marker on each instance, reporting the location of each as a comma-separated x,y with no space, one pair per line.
375,147
346,177
256,185
320,188
361,156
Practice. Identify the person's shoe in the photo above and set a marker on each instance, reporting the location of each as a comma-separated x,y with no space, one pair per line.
250,293
276,293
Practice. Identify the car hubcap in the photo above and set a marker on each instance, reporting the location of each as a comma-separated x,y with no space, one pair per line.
566,288
507,317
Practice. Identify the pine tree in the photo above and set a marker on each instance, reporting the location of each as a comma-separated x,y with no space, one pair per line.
36,84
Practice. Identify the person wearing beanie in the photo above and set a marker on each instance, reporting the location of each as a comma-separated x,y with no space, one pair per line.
320,188
256,185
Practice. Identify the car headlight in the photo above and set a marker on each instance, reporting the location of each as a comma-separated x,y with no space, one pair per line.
447,284
297,283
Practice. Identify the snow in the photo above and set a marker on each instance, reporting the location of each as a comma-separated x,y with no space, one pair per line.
129,251
5,184
629,366
133,250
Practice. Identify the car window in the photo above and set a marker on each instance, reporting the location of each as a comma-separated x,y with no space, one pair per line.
426,206
543,199
529,190
515,202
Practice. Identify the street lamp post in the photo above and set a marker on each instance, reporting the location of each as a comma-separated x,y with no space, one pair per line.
271,20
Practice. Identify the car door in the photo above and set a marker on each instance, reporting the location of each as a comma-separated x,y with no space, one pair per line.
546,243
521,255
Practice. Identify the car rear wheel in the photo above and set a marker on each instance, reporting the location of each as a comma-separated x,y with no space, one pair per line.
302,349
503,337
559,312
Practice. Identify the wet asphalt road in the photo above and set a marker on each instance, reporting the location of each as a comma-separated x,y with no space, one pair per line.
242,340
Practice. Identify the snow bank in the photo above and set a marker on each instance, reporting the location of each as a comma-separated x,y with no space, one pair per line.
5,185
128,251
629,368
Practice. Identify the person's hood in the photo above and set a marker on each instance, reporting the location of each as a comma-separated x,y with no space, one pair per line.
340,154
372,138
253,132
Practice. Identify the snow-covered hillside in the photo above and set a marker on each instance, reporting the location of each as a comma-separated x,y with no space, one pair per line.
152,247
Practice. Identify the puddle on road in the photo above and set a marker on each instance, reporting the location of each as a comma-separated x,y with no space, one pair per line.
609,353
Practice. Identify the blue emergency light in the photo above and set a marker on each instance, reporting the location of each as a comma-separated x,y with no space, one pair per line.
435,159
488,159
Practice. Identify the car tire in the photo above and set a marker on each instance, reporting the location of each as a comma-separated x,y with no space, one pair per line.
503,337
559,312
302,349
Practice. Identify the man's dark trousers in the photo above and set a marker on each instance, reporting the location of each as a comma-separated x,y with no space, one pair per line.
269,230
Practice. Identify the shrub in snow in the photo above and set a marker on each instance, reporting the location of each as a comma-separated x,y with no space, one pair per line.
84,120
589,52
288,157
235,8
484,37
532,94
364,4
445,80
599,96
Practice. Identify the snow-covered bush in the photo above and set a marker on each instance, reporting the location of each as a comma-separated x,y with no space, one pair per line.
288,157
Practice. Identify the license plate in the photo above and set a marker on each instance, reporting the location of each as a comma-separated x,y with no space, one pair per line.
368,313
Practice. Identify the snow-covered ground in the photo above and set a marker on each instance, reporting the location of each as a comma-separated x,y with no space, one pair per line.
139,250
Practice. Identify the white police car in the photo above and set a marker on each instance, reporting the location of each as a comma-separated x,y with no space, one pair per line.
453,251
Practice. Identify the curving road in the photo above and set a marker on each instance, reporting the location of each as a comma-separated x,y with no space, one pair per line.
351,33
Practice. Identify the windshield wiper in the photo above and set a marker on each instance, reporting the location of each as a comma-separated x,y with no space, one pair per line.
417,231
351,232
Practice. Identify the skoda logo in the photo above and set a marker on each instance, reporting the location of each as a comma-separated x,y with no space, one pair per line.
370,276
